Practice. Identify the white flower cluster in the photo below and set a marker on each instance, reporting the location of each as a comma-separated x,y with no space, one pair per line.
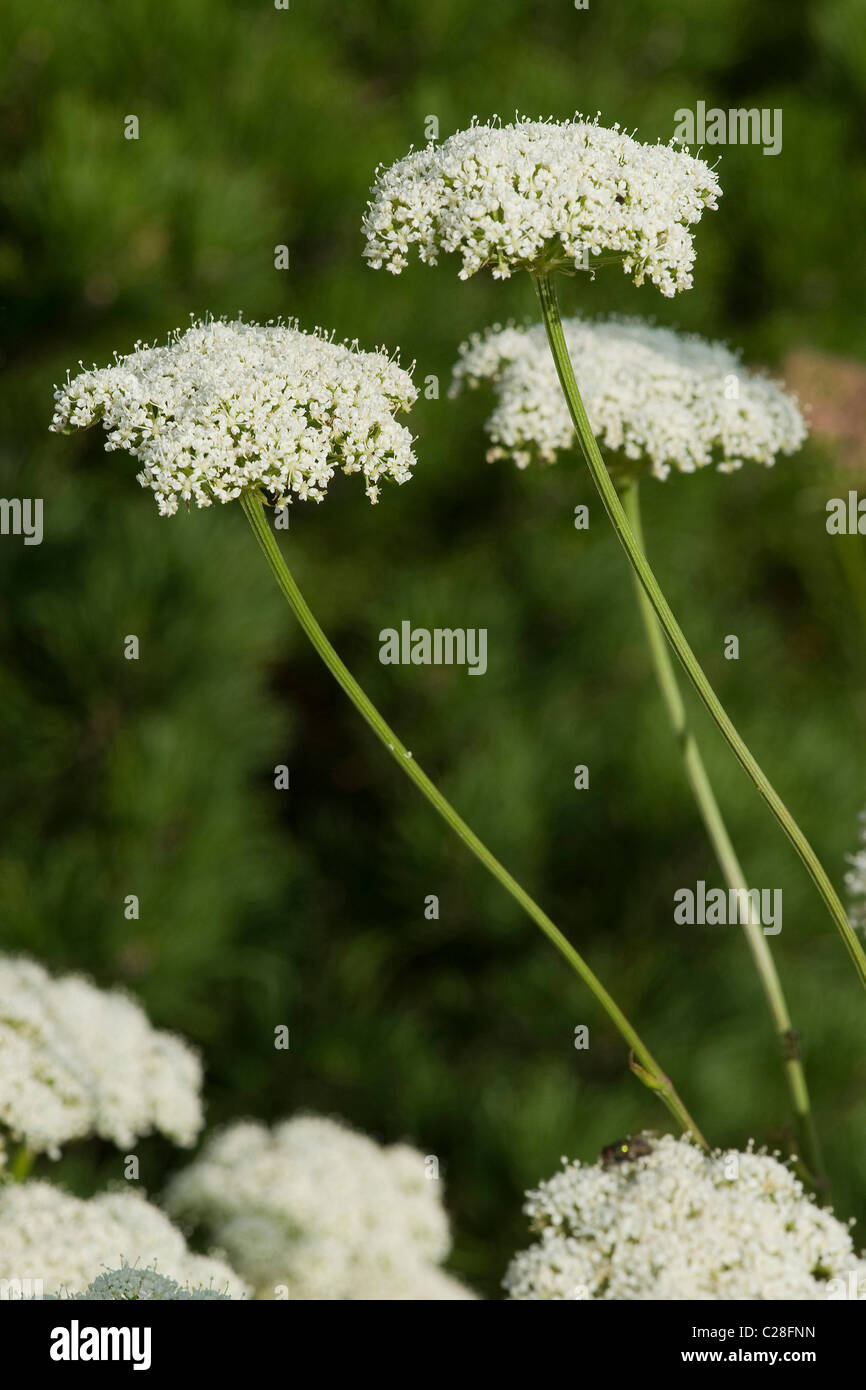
321,1212
76,1060
855,881
133,1284
540,193
49,1235
679,1224
226,407
658,398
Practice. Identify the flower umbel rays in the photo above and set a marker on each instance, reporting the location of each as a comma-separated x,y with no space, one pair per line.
229,407
680,1224
656,398
541,194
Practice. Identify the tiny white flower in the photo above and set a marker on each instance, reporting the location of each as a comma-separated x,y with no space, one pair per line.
320,1210
655,398
229,407
77,1061
541,194
681,1224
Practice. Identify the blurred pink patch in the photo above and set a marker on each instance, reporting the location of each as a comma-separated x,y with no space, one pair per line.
834,390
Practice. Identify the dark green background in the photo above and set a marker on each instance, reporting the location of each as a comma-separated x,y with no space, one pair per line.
261,127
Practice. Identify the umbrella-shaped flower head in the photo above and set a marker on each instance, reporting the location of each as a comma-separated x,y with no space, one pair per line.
227,407
543,194
676,1223
656,399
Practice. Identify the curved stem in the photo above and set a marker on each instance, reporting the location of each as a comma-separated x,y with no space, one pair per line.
645,1067
672,629
713,820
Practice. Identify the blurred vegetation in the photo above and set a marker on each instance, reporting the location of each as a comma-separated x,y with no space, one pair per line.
261,127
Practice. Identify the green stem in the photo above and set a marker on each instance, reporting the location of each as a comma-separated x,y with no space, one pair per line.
712,817
673,631
645,1067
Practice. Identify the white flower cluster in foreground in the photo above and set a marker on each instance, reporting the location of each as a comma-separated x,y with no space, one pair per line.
132,1284
76,1060
678,1224
541,192
64,1241
229,406
659,398
855,880
320,1212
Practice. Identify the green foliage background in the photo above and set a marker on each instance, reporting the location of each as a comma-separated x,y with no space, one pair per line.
261,127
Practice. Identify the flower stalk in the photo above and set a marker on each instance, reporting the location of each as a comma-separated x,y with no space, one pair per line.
550,311
642,1062
711,815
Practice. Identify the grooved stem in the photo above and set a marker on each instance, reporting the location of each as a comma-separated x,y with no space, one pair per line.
671,628
642,1063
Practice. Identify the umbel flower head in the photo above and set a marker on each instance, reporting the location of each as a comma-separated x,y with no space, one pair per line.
64,1241
321,1211
227,407
76,1061
130,1284
539,194
656,398
680,1224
